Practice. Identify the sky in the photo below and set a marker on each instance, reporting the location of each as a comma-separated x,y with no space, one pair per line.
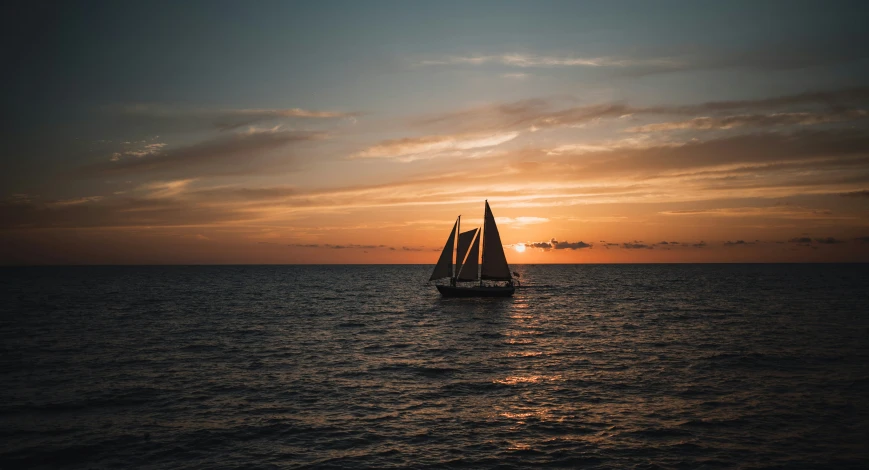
356,132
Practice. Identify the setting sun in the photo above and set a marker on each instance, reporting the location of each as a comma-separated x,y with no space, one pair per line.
519,247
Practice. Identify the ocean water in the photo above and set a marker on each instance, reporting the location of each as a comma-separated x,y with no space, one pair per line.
589,366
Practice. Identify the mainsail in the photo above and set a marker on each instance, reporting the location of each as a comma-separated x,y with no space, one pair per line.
469,269
444,267
494,261
465,240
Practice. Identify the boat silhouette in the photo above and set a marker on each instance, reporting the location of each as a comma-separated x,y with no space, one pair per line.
471,277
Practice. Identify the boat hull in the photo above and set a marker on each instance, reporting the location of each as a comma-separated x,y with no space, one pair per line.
476,291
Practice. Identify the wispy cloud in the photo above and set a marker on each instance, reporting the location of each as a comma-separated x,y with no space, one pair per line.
538,114
534,60
418,147
782,212
222,119
754,120
165,189
858,194
227,154
76,201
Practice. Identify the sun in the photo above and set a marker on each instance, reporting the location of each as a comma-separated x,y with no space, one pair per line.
520,247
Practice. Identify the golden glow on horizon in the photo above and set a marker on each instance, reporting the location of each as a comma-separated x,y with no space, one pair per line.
520,247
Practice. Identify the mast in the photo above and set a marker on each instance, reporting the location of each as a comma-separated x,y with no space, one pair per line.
458,260
483,238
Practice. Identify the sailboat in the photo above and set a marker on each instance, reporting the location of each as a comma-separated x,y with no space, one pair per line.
467,279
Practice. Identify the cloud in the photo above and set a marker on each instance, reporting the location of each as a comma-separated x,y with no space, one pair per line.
534,60
537,114
831,99
526,115
797,52
637,246
569,246
763,148
801,240
222,119
828,241
780,212
114,212
699,245
343,246
75,201
542,245
554,244
165,189
858,194
432,145
227,154
737,243
754,120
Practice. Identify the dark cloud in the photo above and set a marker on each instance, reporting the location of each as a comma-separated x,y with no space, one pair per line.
230,154
554,244
800,240
543,245
862,239
828,241
637,246
115,212
860,194
569,246
756,120
801,108
699,245
747,149
737,242
339,246
833,99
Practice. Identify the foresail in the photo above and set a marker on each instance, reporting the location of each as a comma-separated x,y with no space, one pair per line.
495,266
465,240
444,268
469,269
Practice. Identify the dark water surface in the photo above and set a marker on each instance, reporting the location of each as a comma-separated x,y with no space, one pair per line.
607,366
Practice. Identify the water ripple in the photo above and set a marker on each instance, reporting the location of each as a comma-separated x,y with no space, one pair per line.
688,366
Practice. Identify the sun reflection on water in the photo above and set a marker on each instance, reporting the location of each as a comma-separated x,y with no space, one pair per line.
527,379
